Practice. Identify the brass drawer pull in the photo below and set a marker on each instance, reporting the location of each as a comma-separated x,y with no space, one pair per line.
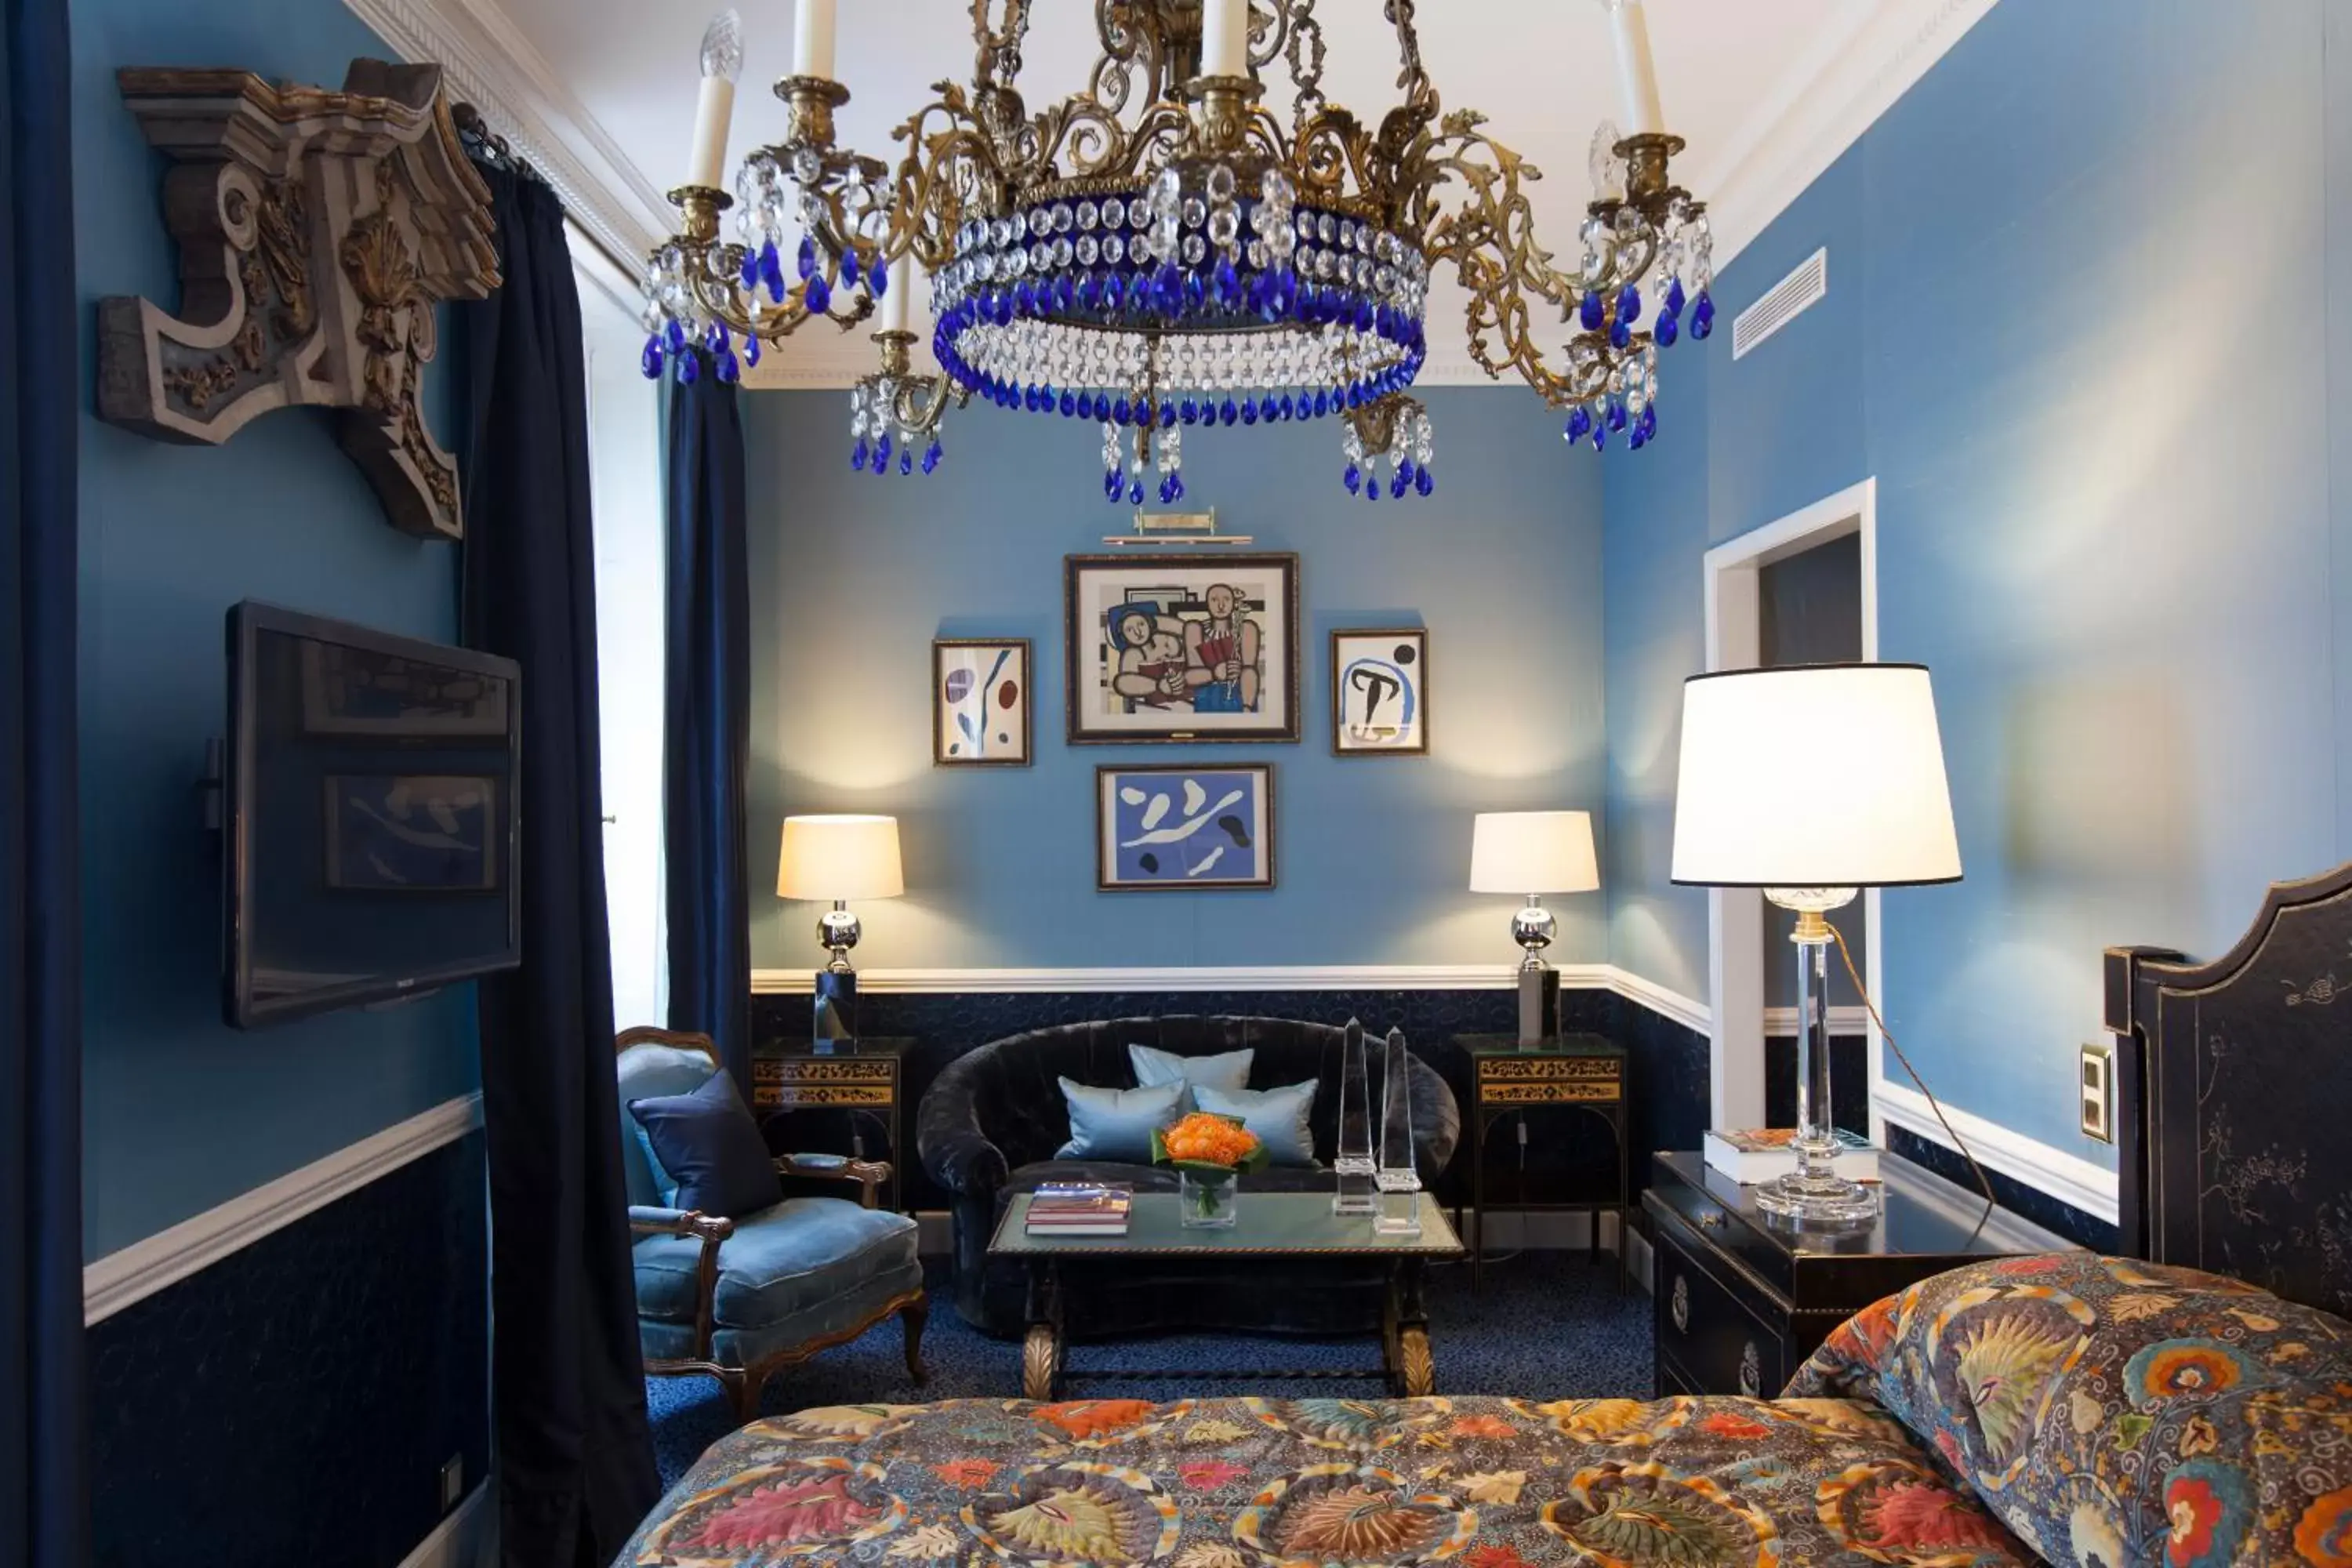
1710,1219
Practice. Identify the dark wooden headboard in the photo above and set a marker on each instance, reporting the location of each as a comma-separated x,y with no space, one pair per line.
2234,1099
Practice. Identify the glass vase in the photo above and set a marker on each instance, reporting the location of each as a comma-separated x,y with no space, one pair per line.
1396,1175
1353,1162
1207,1202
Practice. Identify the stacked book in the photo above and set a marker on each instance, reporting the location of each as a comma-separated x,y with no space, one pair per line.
1753,1154
1079,1209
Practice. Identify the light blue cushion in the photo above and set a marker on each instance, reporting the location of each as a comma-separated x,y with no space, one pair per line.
1117,1123
1278,1117
746,1347
1229,1071
781,1262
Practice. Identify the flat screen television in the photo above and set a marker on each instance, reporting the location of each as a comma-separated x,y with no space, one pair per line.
369,816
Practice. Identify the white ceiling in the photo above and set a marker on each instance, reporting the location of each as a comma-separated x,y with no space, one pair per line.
1766,94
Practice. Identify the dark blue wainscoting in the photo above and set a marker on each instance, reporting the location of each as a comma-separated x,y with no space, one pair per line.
2050,1214
1564,1151
294,1403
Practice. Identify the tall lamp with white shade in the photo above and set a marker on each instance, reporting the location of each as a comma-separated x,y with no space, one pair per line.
1810,782
1530,854
835,858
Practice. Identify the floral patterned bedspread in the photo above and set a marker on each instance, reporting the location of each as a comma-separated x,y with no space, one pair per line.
1263,1483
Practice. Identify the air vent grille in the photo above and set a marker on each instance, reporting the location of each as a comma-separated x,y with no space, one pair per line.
1788,298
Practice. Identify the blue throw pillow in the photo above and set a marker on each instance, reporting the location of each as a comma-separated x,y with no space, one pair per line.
1278,1117
1118,1123
1229,1071
711,1148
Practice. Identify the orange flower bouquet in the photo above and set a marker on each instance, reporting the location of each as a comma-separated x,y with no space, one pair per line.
1209,1154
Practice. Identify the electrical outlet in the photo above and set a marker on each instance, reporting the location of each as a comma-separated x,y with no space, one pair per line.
2097,1087
453,1482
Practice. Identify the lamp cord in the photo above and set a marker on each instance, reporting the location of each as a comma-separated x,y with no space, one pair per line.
1984,1183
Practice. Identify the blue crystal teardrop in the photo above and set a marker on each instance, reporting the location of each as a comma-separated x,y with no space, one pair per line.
1676,298
857,457
1134,493
1354,479
1629,304
1589,311
849,267
1227,414
1397,483
1703,316
805,262
931,456
878,283
882,452
652,360
1666,331
689,368
1422,480
819,297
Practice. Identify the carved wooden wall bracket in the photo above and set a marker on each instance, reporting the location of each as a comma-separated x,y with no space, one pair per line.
317,231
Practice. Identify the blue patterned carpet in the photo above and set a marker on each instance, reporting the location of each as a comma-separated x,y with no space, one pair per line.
1547,1326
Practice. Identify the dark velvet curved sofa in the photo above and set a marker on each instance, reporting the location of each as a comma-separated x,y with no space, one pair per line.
994,1118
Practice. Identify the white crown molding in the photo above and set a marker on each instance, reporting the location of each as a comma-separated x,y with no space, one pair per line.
490,64
1781,1023
1837,91
138,1272
1185,978
1277,977
2069,1178
1696,1016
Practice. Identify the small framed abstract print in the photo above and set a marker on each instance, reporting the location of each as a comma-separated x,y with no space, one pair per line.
980,702
1379,693
1167,829
1181,647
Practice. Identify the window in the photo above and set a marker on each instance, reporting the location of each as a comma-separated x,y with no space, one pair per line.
626,479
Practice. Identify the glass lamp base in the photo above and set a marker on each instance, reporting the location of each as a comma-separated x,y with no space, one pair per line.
1817,1200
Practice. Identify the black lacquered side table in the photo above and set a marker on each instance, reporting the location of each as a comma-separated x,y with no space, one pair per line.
866,1086
1581,1073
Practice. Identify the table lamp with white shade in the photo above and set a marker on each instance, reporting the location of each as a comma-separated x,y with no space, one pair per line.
1811,782
1530,854
834,859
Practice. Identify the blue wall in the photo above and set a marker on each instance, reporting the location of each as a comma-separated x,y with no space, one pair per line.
854,575
182,1113
2083,340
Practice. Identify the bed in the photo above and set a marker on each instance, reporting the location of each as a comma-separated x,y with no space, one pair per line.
2191,1405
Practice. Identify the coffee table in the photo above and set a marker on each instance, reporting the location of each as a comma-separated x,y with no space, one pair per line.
1269,1226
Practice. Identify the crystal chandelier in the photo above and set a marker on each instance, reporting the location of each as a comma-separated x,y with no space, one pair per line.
1161,254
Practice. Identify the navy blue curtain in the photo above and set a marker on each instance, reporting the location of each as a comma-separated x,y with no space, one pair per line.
706,715
44,1489
575,1455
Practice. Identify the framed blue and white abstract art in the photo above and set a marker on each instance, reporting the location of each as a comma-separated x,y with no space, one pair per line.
1167,829
979,702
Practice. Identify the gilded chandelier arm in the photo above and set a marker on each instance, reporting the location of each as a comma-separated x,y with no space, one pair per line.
1490,236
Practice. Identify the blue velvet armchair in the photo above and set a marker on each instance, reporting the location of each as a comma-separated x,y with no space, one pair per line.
740,1299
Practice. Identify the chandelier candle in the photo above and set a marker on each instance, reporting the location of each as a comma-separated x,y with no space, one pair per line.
1224,38
902,289
1637,79
722,63
813,39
